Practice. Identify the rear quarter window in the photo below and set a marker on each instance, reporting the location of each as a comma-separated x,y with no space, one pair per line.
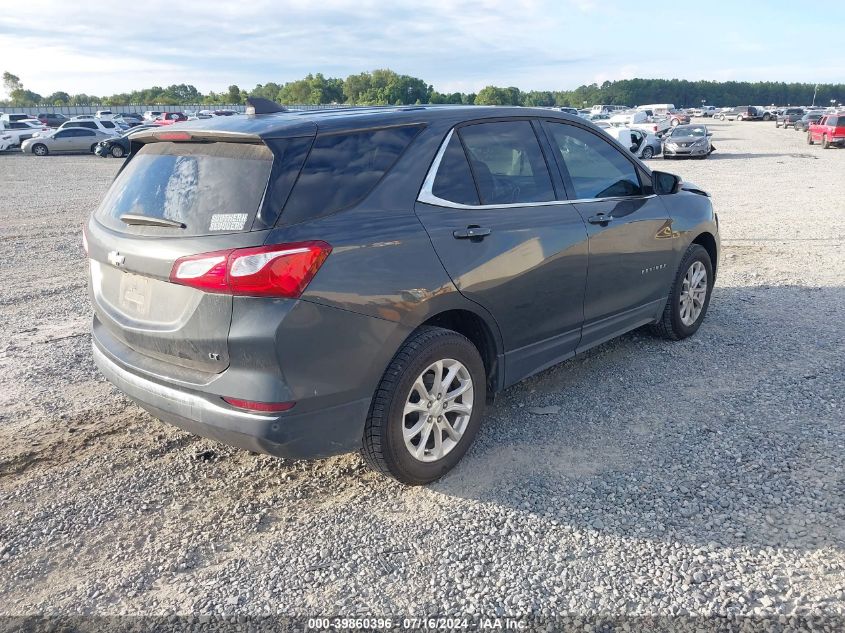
342,169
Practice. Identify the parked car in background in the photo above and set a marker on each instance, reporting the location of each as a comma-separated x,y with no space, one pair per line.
801,125
132,118
641,144
731,114
788,116
169,118
572,111
150,115
8,117
688,141
5,141
110,127
107,115
52,119
118,146
677,117
19,130
83,117
829,131
71,139
398,266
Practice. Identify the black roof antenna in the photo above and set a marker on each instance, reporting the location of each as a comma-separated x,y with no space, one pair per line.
257,105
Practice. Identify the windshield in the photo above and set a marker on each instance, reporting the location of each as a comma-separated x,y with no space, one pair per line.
689,130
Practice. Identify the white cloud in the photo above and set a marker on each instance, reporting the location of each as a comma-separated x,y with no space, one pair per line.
103,48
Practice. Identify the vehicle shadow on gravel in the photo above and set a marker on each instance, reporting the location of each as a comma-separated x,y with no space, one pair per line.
745,156
732,437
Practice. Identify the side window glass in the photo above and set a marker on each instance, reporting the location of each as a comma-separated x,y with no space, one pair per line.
342,169
62,134
596,168
507,162
454,179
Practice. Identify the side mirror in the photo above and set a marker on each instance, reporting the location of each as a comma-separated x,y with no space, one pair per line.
665,183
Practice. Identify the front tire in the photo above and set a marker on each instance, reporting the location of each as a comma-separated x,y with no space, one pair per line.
117,151
825,142
809,139
648,152
689,296
39,149
427,408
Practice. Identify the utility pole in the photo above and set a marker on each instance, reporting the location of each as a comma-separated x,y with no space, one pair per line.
815,90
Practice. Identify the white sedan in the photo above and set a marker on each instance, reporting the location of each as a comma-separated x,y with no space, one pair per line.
640,143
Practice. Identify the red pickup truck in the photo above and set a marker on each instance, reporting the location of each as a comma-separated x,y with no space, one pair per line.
829,130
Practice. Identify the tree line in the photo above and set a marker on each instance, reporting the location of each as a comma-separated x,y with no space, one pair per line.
386,87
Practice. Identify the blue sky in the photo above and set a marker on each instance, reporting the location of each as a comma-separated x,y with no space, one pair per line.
108,47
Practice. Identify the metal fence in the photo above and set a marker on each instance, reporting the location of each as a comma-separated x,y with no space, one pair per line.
140,108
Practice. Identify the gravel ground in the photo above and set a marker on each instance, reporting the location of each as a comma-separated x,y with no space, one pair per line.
700,477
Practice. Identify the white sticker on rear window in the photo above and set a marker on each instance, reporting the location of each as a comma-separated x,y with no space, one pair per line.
228,221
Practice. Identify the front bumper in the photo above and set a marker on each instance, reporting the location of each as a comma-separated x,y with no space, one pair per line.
321,433
685,151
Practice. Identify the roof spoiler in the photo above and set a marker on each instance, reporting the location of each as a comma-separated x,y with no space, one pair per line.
257,105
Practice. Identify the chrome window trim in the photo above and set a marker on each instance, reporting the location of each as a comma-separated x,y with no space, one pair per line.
427,196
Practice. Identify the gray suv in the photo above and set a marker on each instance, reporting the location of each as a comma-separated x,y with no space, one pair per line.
305,284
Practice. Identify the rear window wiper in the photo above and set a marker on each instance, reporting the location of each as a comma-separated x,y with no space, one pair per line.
145,220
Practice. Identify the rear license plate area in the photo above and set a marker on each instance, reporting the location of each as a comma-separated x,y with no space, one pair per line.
135,293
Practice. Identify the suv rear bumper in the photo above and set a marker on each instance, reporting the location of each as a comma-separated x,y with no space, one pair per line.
320,433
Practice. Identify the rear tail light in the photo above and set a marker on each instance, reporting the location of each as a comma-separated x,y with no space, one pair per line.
280,270
264,407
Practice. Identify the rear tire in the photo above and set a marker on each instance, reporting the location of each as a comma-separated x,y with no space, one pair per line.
809,139
403,400
39,149
648,153
675,323
825,142
767,117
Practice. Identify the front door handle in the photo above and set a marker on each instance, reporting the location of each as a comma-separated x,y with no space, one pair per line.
471,232
601,218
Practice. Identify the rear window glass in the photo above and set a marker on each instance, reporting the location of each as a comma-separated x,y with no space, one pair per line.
454,179
343,168
208,187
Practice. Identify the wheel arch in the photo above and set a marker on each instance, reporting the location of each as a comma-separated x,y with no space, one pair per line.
708,241
482,334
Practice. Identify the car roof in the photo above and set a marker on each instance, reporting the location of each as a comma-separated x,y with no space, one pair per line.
302,122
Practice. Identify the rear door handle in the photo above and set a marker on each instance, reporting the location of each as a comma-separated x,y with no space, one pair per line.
471,232
601,218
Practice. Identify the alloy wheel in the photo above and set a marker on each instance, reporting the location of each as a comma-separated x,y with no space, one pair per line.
693,293
437,410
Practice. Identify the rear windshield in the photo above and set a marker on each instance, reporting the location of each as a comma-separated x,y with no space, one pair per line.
208,187
342,169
